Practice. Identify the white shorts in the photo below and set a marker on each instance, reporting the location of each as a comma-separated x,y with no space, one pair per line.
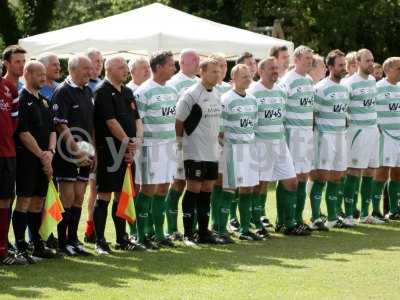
301,147
240,167
389,150
156,164
363,147
330,151
274,161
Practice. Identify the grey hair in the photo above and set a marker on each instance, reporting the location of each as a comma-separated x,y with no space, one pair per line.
75,60
301,50
134,63
92,51
44,58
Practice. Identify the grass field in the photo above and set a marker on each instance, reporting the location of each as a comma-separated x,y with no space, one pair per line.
363,263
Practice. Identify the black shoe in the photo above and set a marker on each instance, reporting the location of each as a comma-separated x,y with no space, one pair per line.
263,233
234,225
304,226
208,238
249,236
340,224
41,251
29,258
226,239
341,215
80,249
102,247
52,242
356,214
297,231
68,250
319,225
127,245
165,243
90,239
323,217
150,245
175,236
13,259
394,217
279,228
266,223
379,216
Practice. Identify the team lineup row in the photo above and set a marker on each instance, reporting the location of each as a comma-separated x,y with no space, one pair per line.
213,144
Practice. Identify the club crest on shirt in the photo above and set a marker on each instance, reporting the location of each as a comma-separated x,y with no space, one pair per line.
55,107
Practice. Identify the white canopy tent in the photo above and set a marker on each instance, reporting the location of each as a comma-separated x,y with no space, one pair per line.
147,29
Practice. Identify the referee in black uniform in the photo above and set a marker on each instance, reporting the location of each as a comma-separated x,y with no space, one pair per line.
35,144
118,131
73,117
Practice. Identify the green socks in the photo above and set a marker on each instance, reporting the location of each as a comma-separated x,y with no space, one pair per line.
158,209
142,206
257,209
244,212
377,189
394,193
315,197
224,207
340,194
215,206
280,205
289,199
331,199
172,210
301,201
350,192
234,206
366,195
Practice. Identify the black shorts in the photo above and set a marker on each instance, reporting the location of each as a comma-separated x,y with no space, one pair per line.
68,171
201,170
7,177
106,181
31,180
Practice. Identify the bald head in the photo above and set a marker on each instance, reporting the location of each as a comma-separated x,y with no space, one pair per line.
189,62
34,75
116,69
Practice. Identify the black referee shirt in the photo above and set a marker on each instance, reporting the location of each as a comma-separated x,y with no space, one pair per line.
35,118
73,106
109,103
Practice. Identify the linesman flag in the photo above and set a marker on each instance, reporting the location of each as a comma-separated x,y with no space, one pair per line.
126,207
51,213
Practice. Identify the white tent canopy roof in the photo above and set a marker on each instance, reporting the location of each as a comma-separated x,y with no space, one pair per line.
147,29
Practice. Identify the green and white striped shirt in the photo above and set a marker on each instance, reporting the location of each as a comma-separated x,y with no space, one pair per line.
271,106
181,82
388,107
223,87
239,117
157,108
361,112
300,100
331,101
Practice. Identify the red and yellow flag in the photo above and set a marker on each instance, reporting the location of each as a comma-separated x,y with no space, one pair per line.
51,212
126,207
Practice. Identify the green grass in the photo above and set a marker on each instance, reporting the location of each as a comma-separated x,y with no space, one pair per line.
362,263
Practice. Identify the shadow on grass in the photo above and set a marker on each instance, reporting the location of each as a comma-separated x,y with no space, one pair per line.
115,270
